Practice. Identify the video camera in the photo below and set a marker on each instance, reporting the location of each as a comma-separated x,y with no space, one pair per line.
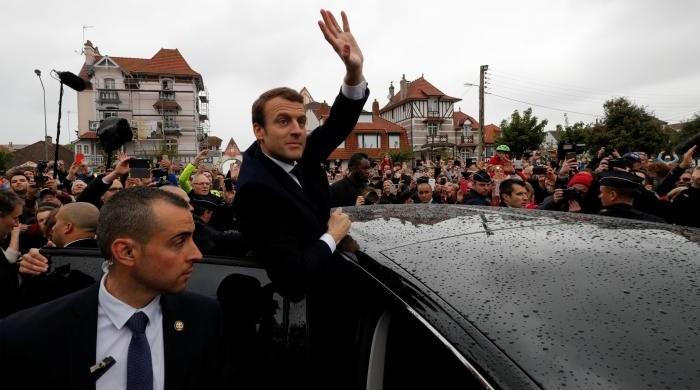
563,148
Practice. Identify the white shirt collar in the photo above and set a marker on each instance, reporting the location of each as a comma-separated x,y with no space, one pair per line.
119,312
286,166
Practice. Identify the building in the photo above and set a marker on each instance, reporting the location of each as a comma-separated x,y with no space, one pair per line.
427,114
372,135
491,134
467,142
163,98
34,153
551,141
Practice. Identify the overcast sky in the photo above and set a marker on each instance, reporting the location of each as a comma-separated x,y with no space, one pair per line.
568,56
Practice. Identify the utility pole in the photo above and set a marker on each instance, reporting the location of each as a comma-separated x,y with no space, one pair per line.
482,73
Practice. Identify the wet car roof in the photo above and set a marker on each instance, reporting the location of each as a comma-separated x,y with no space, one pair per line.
576,301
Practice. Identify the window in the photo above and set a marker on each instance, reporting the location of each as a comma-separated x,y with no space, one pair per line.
466,128
169,119
171,145
109,83
109,114
368,141
432,107
412,348
432,128
167,84
394,141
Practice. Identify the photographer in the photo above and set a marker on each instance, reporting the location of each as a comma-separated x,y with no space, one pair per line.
572,198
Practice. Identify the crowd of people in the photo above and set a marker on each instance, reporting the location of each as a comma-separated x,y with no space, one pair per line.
277,206
627,186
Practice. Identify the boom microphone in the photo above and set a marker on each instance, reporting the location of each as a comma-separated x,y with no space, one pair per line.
71,80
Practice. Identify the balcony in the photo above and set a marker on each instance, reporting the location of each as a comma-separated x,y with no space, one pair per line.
166,95
166,101
94,160
108,97
170,127
436,139
467,140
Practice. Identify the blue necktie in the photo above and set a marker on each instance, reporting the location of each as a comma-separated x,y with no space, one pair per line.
139,370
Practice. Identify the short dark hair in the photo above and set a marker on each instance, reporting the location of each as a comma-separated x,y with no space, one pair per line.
506,186
356,159
283,92
129,213
9,202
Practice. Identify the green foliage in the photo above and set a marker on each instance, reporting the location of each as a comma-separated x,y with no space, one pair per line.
689,129
523,132
627,127
5,160
577,133
401,155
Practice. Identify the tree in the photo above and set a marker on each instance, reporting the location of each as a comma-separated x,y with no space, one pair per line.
401,155
577,133
5,159
522,133
689,129
627,127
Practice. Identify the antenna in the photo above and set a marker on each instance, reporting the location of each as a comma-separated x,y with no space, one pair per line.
82,50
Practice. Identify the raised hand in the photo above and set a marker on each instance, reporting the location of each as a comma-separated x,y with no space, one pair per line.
343,42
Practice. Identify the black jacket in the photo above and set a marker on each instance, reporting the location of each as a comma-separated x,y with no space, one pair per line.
685,209
211,241
52,346
344,192
627,211
9,284
474,199
283,222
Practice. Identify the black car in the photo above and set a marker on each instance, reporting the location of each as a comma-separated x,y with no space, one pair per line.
444,296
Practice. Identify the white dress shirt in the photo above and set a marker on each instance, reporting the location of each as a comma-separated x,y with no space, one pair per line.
352,92
113,338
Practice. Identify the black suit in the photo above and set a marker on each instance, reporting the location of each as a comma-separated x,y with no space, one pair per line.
58,282
52,346
284,222
9,283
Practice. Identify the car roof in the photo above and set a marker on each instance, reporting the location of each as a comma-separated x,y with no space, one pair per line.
574,300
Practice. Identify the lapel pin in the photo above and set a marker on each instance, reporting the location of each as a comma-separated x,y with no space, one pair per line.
179,326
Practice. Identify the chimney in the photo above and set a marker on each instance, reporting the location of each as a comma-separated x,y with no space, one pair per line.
48,140
375,108
403,87
90,53
391,89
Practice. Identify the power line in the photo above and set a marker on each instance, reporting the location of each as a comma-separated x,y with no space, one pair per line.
570,87
543,106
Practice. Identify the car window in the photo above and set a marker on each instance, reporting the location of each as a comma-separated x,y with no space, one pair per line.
415,358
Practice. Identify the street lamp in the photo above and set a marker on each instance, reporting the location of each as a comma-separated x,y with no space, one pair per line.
46,134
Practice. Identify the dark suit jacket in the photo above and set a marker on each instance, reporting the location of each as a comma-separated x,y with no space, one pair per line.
282,222
9,284
52,346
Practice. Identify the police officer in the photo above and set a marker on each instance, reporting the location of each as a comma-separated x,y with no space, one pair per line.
617,192
480,193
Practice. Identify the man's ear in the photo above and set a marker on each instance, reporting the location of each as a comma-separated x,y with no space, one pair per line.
259,131
126,251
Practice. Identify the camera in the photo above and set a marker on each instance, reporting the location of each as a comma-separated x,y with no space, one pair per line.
539,170
617,163
443,181
571,194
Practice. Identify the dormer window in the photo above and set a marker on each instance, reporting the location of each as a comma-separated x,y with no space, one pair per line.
166,84
109,83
